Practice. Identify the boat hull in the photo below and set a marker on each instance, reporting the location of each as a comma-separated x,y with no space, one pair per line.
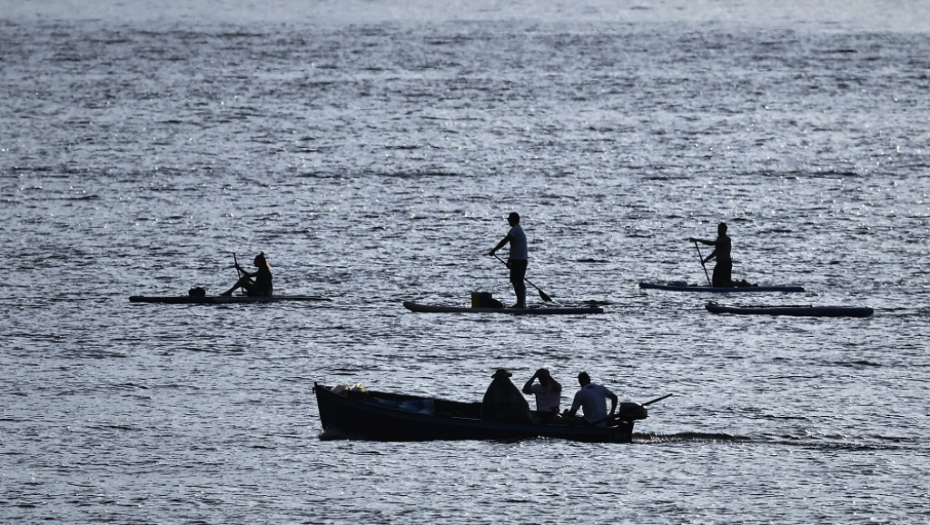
711,289
799,311
546,310
223,299
379,416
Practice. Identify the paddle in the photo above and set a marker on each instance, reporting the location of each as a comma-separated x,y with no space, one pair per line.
237,265
542,294
701,258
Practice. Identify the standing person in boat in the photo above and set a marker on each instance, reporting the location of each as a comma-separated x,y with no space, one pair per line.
592,399
548,393
723,270
518,258
257,284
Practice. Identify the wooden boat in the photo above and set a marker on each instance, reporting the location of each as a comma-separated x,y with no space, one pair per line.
357,413
806,311
711,289
224,299
542,310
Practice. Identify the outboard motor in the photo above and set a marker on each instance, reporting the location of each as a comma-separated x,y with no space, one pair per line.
628,411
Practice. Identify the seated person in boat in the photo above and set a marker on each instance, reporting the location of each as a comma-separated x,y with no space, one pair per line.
592,399
548,393
257,284
503,402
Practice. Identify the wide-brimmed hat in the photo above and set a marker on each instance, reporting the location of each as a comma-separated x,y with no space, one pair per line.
501,372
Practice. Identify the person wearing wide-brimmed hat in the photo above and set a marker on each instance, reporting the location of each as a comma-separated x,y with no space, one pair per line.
503,402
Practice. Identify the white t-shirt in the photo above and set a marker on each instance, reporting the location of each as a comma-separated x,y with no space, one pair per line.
592,398
547,398
518,251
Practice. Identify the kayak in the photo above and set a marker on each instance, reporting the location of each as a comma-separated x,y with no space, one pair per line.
735,289
805,311
542,310
224,299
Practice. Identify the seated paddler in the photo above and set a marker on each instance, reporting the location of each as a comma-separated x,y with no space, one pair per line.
255,284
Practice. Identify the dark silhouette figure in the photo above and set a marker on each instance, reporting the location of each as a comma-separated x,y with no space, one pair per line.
503,402
257,284
518,258
723,270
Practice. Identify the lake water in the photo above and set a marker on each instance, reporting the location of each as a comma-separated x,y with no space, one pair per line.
373,151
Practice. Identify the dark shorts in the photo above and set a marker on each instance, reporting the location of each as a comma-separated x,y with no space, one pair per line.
723,272
517,270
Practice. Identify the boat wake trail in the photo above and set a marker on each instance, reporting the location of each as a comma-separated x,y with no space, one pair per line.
689,437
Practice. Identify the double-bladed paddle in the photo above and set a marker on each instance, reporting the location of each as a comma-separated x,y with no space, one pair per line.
542,295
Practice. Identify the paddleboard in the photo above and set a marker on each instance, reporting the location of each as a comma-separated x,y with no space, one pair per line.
803,311
542,310
710,289
224,299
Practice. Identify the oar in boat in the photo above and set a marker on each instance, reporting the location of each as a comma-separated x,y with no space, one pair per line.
542,295
701,258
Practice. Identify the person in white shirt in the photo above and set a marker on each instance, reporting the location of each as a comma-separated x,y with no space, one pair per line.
592,399
548,393
518,259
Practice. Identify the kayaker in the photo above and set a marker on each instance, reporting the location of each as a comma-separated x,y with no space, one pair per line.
257,284
548,393
723,270
592,399
517,260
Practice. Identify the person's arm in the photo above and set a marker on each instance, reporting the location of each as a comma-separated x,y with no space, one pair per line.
709,243
702,241
576,404
500,245
528,387
613,402
244,272
556,387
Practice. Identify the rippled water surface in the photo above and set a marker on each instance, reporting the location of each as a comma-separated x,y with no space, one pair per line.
373,152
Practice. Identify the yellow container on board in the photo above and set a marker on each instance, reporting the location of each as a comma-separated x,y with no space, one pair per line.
480,299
